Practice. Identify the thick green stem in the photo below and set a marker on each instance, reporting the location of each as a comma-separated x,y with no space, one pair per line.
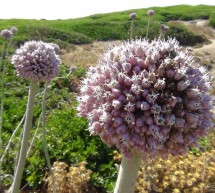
128,174
25,139
44,138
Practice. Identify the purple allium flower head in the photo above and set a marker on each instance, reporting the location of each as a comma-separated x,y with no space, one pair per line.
150,13
6,34
13,30
164,28
73,68
132,16
36,61
150,97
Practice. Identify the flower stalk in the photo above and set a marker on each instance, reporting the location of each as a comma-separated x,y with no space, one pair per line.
10,141
128,174
44,138
150,13
132,28
25,138
132,17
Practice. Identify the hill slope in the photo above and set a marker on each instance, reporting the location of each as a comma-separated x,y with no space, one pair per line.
111,26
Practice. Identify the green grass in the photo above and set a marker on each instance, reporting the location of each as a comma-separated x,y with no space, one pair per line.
104,27
68,139
212,19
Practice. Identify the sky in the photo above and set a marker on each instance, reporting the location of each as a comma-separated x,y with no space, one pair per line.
66,9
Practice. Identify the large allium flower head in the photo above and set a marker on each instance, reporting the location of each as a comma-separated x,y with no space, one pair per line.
13,30
6,34
132,16
36,61
150,97
150,13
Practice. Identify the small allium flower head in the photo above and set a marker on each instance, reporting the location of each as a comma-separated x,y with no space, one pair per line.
150,13
150,97
132,16
164,28
36,61
73,68
6,34
13,30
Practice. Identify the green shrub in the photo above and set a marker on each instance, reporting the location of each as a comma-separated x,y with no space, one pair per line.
67,135
71,37
212,20
185,37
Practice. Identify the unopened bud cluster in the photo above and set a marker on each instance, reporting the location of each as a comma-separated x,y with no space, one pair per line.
149,97
36,61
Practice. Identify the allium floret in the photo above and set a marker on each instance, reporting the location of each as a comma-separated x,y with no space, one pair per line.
150,97
36,61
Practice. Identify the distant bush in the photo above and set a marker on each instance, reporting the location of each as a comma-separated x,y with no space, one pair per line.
71,37
20,40
212,20
104,31
184,36
183,12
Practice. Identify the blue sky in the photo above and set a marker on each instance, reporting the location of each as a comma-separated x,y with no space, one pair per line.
65,9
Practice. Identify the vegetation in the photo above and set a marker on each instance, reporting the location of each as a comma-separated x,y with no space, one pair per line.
68,138
187,174
212,19
114,26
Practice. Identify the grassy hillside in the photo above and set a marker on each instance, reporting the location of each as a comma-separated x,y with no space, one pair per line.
111,26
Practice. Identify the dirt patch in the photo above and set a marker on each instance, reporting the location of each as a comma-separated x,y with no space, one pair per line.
199,26
86,54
